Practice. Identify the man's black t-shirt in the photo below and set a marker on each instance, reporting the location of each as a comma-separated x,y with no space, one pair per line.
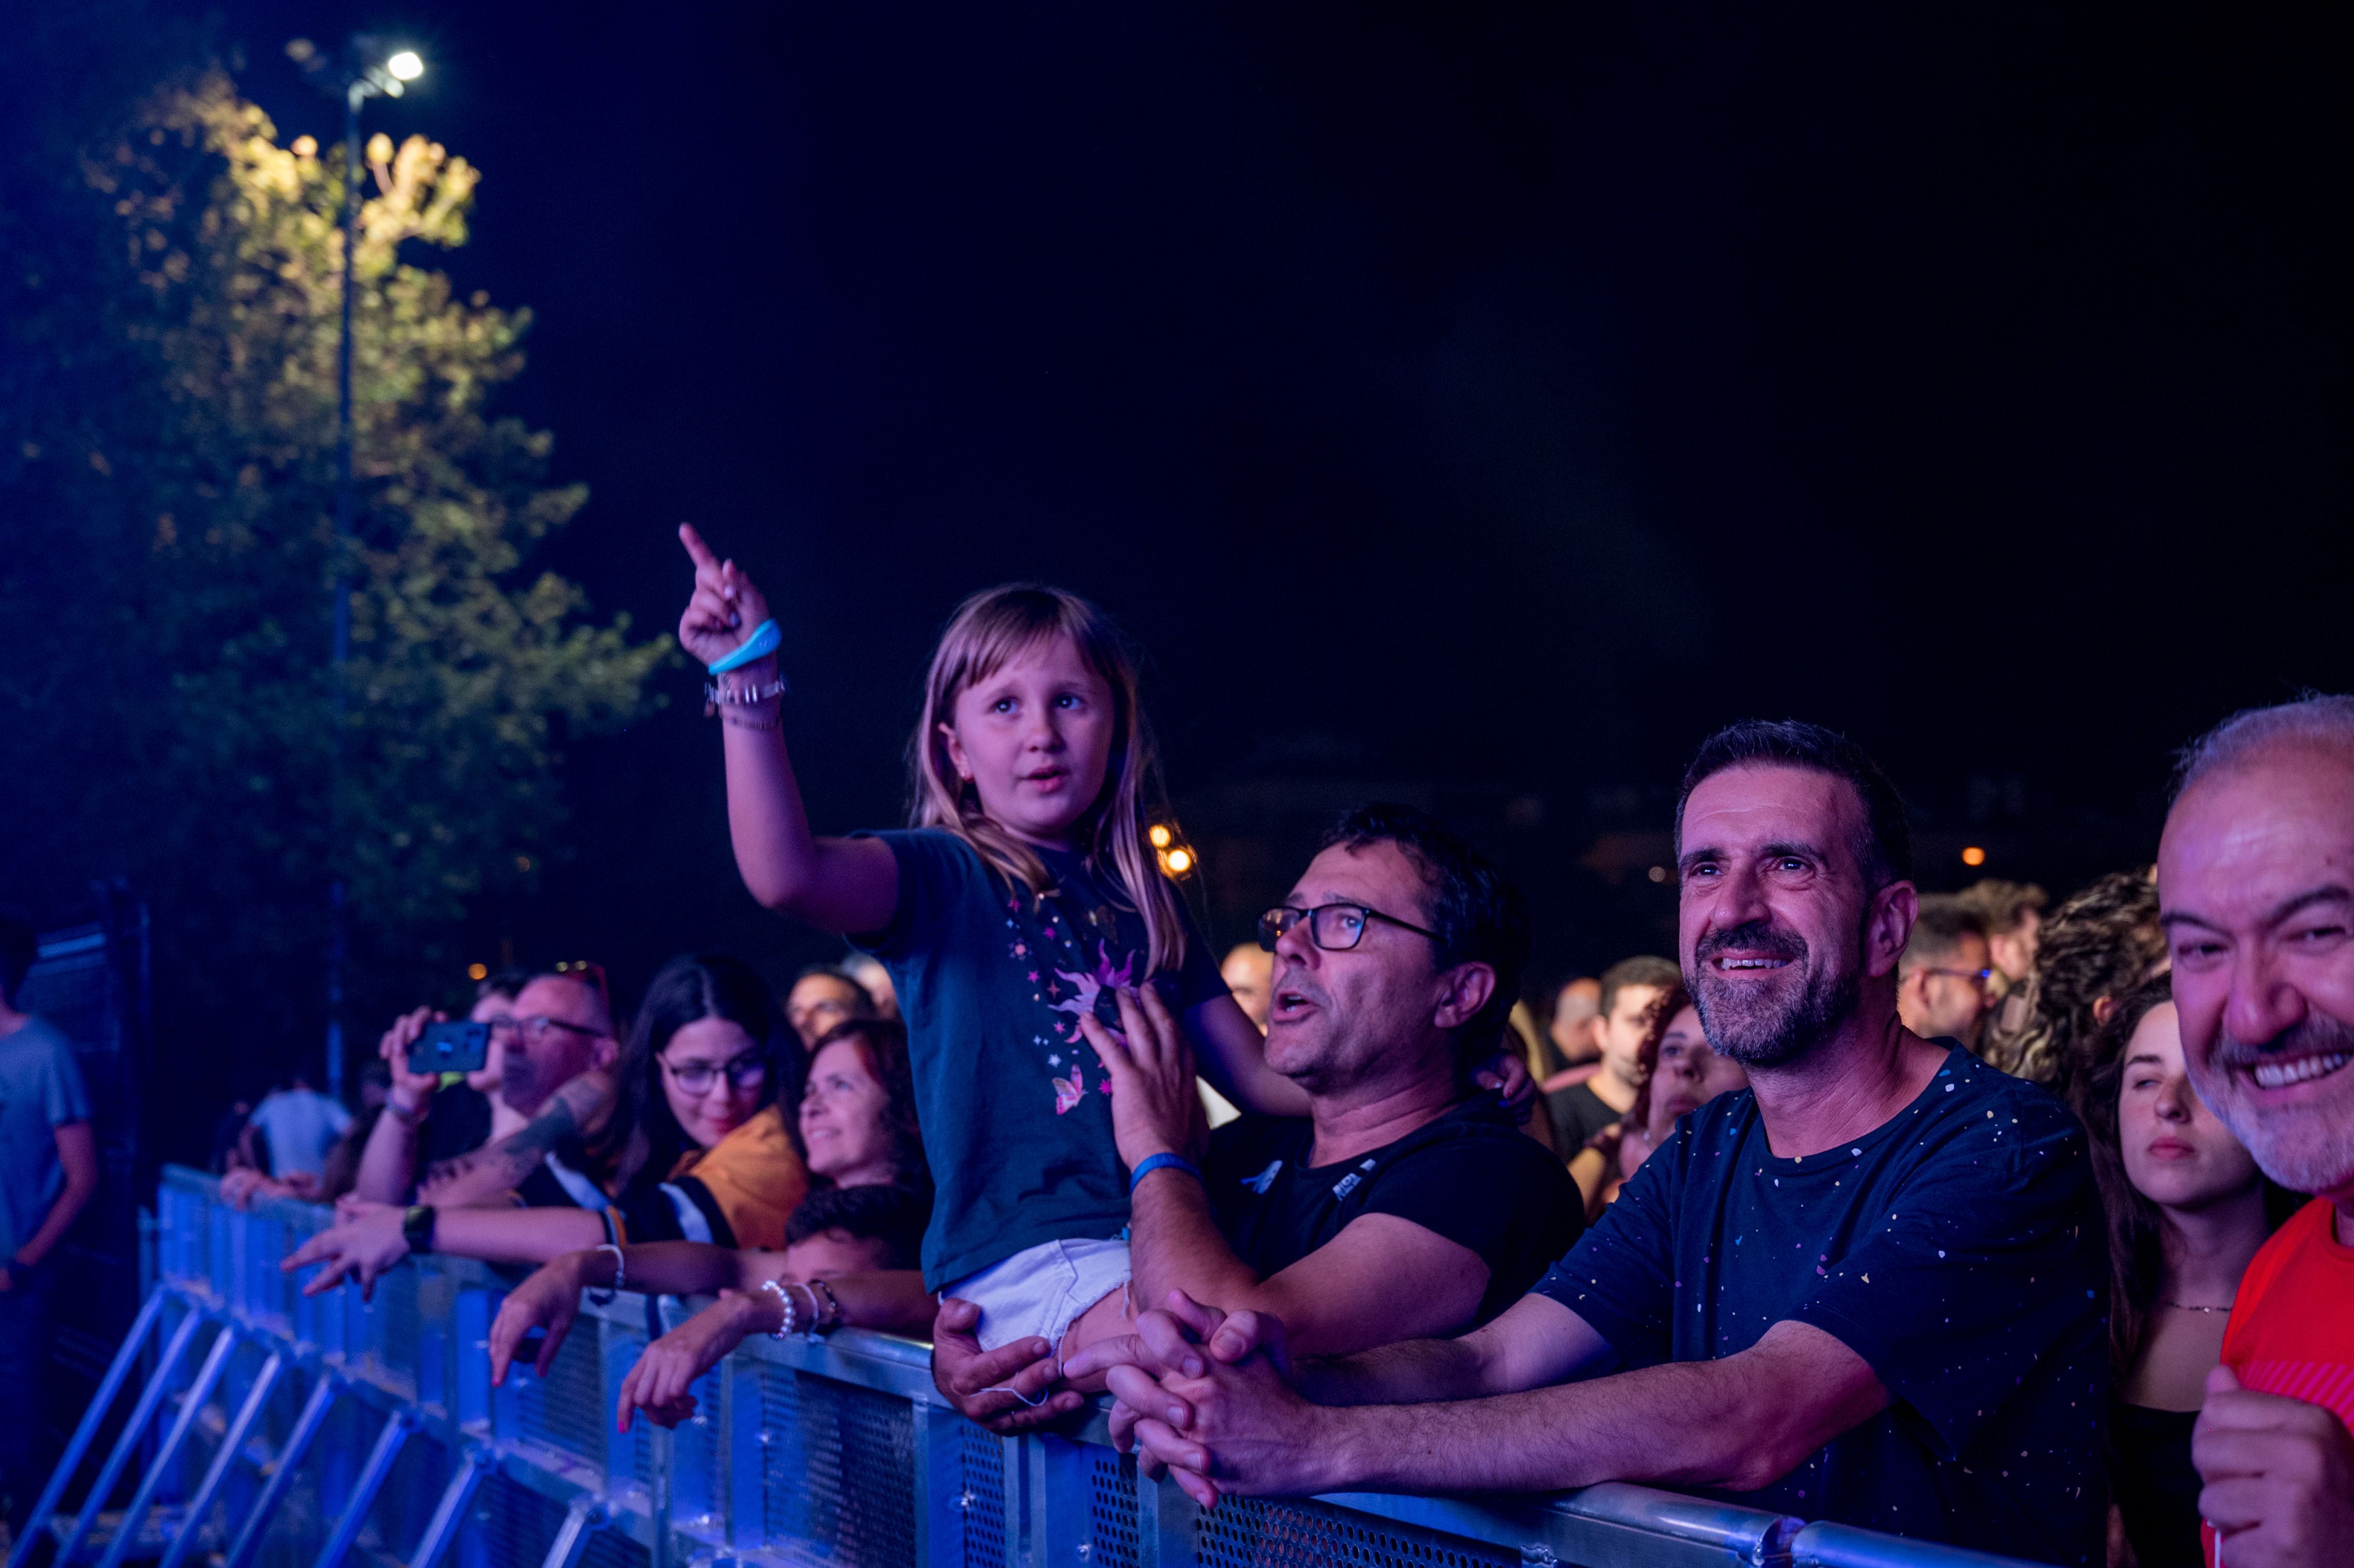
457,1121
1578,1113
1470,1175
1958,1249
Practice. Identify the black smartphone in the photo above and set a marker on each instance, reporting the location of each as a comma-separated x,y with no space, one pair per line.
460,1047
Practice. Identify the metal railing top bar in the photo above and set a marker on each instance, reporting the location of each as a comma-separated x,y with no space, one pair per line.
838,1451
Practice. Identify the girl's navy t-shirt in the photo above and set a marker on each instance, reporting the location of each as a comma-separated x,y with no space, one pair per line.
1958,1249
1014,1104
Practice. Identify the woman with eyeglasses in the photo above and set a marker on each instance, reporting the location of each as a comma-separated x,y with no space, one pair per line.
849,1255
696,1148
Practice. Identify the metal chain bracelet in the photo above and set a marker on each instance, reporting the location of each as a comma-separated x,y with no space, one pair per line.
717,696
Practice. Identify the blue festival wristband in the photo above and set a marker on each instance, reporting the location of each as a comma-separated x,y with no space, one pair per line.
759,645
1152,1163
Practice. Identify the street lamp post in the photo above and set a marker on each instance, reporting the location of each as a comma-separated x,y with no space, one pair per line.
365,71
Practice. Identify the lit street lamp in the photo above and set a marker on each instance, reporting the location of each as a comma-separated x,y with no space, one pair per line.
366,70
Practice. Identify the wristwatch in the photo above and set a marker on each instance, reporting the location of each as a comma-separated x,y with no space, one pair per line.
417,1226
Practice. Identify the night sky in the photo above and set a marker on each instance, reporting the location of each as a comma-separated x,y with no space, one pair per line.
1493,399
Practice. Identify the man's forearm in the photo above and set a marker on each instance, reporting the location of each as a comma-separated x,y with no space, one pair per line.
71,1200
1410,1371
1739,1423
389,1162
78,1159
1175,1245
503,1166
515,1235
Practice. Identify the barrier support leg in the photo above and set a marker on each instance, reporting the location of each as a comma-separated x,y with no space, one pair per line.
225,1344
232,1447
451,1512
85,1430
579,1522
662,1457
372,1477
133,1431
1164,1522
281,1471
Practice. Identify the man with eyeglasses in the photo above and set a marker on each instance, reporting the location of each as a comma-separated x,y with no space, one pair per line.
546,1033
1408,1202
1870,1288
1942,981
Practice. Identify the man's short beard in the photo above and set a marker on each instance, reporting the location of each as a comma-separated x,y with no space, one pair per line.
2308,1149
1767,1034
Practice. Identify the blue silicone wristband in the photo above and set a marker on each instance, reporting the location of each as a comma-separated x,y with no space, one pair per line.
1152,1163
759,645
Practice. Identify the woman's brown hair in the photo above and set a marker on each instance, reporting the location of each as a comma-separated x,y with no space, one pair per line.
884,1043
2136,1228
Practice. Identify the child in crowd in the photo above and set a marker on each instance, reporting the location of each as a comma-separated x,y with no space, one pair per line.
1026,896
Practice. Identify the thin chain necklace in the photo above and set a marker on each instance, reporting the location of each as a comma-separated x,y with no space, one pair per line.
2187,1306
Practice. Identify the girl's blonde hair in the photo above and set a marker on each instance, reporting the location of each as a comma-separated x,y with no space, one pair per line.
989,628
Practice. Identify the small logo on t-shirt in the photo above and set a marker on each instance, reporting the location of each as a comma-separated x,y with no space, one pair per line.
1346,1184
1265,1179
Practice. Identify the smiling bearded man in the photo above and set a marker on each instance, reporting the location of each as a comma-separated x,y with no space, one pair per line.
1868,1288
2255,882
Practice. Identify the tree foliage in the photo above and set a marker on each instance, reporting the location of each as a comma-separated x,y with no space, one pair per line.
167,489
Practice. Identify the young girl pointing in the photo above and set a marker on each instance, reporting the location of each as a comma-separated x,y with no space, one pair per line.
1025,898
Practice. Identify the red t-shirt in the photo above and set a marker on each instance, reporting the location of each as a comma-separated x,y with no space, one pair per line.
2292,1328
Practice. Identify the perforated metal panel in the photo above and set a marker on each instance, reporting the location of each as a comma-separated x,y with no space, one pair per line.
1111,1509
694,1455
392,1329
565,1410
1248,1533
981,1498
838,1476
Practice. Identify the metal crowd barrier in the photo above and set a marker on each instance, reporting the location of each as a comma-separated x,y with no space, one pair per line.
272,1430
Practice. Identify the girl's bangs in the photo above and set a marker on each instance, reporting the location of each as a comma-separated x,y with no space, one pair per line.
1003,632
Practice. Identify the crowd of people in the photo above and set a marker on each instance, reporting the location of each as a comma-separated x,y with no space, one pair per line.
2024,1227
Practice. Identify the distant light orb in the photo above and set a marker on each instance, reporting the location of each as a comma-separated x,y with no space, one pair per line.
1159,835
1973,856
478,972
1659,873
405,66
1180,862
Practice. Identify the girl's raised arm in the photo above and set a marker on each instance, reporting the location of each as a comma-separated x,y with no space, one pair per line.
838,884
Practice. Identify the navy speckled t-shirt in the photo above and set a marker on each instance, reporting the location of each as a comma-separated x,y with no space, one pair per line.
1958,1249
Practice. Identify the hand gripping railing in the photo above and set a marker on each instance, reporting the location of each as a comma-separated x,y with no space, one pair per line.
316,1429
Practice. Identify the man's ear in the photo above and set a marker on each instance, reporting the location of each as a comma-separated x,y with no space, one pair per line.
606,1052
1888,926
1469,987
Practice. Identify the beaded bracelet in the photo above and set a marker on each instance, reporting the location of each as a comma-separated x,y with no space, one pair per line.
776,1290
621,1276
